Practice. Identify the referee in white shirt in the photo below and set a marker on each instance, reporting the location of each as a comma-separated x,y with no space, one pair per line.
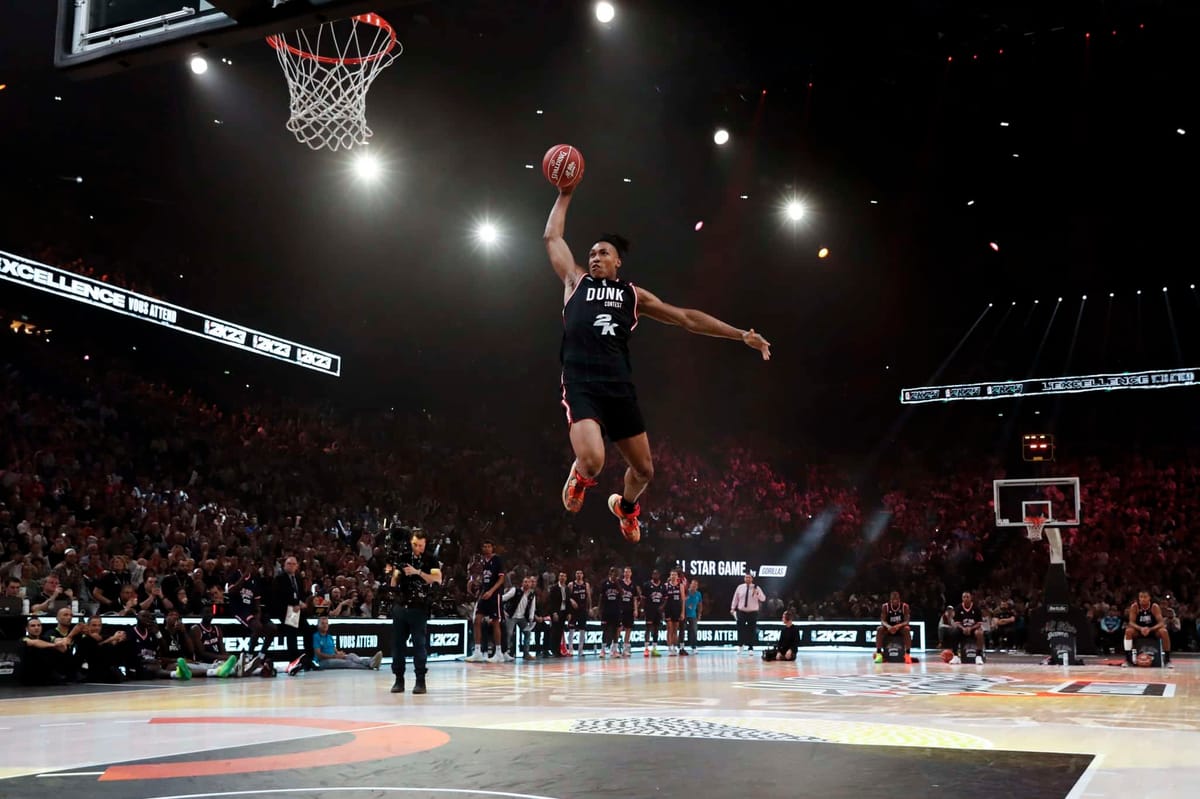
745,609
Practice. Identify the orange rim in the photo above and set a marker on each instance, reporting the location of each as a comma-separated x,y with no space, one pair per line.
278,42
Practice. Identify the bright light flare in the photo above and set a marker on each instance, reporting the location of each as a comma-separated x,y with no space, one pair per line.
198,65
605,12
823,252
794,210
995,247
486,233
721,136
700,226
367,166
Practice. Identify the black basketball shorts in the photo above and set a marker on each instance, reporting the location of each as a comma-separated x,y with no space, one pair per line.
490,609
613,405
673,610
654,615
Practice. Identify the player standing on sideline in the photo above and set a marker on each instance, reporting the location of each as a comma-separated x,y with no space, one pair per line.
629,607
597,378
653,595
488,606
894,617
673,613
581,604
610,612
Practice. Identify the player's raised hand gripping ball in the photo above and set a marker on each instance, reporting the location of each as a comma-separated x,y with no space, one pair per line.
563,166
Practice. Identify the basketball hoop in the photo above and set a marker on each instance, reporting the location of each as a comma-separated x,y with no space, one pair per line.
1033,527
329,70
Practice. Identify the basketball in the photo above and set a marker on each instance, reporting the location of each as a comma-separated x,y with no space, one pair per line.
947,656
563,166
1144,659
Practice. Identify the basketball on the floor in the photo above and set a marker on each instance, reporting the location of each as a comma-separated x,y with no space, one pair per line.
947,655
563,166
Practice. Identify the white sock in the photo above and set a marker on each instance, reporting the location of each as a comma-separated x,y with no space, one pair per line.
211,673
1128,644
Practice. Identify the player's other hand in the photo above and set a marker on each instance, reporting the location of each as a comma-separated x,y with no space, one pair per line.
757,342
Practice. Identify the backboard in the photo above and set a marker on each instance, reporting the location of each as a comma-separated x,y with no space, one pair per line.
97,37
1055,499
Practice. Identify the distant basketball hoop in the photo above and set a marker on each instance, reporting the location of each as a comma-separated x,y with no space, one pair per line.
329,70
1033,527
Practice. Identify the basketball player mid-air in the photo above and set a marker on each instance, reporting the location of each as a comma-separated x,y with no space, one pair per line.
600,311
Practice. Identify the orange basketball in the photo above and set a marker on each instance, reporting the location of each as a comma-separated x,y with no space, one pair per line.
947,655
563,166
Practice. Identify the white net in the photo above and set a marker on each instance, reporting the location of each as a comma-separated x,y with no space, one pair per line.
329,70
1033,528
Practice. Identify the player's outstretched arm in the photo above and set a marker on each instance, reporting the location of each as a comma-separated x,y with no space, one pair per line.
698,322
556,247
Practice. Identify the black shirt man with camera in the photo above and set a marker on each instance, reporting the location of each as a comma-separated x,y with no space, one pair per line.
414,574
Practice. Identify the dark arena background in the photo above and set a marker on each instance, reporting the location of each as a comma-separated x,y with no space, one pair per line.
253,312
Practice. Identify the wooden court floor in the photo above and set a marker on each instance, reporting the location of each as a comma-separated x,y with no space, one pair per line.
1137,731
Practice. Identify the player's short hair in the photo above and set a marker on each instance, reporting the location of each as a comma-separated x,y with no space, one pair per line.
616,240
487,542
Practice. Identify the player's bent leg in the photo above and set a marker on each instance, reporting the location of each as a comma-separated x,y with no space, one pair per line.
587,441
640,471
636,451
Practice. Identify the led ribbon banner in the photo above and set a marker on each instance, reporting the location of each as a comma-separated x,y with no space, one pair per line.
99,294
1158,378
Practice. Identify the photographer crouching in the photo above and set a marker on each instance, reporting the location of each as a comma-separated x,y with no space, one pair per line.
414,573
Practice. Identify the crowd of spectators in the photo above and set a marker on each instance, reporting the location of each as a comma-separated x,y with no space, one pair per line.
135,495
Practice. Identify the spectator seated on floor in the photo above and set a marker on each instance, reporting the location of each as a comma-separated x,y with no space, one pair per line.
101,652
43,662
788,644
326,655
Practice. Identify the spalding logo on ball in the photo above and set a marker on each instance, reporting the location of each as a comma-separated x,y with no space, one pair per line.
563,166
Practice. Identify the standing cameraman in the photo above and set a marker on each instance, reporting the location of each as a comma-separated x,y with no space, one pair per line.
411,581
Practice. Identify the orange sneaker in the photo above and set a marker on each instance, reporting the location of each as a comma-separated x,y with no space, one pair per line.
629,521
574,490
908,658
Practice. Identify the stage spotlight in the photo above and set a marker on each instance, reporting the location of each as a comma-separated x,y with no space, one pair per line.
487,233
198,65
721,136
794,210
605,12
823,252
367,166
995,247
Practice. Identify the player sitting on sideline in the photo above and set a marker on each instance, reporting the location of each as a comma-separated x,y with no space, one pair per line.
1146,621
968,625
789,641
894,618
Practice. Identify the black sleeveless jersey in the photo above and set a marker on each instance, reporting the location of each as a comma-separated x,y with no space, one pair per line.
579,593
610,595
973,615
597,322
674,593
893,615
654,594
1144,616
210,639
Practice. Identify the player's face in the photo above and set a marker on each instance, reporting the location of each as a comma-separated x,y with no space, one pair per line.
487,550
627,574
895,598
603,261
966,598
1144,599
579,577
